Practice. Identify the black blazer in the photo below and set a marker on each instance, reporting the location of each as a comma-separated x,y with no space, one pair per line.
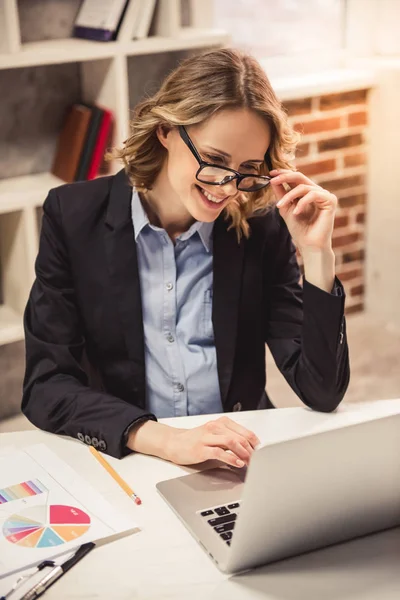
85,369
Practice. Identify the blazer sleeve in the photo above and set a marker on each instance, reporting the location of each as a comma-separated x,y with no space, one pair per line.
56,393
305,329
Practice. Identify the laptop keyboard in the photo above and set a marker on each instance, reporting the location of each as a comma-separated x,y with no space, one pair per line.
222,520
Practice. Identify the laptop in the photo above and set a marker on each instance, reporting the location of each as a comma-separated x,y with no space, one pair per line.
296,495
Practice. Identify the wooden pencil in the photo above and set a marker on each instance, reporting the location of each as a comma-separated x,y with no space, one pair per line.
127,489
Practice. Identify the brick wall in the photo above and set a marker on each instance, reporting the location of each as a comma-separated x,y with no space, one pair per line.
333,153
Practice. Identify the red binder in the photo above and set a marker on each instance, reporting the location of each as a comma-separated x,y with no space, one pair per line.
101,144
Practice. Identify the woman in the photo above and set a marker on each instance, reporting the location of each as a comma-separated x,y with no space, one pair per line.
157,288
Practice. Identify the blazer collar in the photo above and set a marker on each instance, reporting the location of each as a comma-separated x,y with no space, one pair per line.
119,206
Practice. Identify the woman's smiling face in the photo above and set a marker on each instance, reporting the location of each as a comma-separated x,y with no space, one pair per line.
234,138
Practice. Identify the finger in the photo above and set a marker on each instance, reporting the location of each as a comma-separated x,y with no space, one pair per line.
303,203
297,192
320,199
244,449
250,436
290,177
215,453
278,190
230,441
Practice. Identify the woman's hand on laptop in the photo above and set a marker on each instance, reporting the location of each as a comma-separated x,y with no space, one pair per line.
220,439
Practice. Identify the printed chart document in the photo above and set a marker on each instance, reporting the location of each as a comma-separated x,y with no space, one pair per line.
47,509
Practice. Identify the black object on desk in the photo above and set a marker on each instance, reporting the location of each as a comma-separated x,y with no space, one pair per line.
57,572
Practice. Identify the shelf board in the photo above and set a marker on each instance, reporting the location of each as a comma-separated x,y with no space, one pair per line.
11,328
17,193
188,37
50,52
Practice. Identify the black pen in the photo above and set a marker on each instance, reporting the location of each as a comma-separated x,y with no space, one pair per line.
57,572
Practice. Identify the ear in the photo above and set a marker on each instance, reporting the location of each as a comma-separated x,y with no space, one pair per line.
162,134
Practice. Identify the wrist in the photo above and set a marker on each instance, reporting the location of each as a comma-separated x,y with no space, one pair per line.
319,267
309,252
152,438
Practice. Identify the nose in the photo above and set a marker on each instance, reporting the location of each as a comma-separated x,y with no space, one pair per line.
230,188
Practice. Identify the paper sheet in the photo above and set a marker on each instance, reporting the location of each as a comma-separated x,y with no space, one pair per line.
47,509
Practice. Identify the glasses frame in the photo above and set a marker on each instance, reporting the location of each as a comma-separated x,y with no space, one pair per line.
236,175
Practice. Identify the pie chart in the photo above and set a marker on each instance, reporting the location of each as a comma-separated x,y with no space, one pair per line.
46,526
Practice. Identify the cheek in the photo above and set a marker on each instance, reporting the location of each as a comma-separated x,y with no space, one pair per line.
182,173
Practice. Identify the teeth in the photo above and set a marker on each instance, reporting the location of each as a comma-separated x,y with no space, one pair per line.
211,198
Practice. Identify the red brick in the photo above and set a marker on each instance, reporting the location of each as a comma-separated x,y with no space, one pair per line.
317,125
343,183
360,218
344,141
354,309
315,168
349,275
354,255
358,118
345,240
298,107
357,290
354,200
331,101
354,160
341,221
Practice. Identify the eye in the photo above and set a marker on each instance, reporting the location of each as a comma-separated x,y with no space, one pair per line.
214,159
253,168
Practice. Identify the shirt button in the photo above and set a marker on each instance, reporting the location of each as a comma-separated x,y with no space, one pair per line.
180,387
169,286
170,338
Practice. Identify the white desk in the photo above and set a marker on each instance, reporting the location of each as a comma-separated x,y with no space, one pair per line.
163,561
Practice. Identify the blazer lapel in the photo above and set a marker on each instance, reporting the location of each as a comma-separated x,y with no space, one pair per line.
228,265
124,272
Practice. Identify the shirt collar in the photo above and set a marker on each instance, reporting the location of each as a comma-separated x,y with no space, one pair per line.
140,220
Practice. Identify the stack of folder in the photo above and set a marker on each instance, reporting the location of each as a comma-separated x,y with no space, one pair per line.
85,136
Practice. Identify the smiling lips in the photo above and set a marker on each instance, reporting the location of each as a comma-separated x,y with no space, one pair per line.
212,198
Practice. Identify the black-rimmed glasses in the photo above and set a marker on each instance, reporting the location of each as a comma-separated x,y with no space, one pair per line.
216,175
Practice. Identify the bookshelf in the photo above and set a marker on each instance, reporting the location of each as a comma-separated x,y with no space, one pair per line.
103,70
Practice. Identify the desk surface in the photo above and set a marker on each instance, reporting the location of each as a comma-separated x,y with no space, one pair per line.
163,561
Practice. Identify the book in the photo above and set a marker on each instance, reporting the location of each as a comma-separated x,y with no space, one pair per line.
129,25
137,20
100,20
101,143
145,19
90,143
71,142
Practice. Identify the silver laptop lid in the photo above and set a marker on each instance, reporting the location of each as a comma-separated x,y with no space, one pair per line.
313,491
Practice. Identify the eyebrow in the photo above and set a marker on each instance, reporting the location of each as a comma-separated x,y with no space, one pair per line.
226,155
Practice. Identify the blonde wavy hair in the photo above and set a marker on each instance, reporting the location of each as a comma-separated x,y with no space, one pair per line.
199,87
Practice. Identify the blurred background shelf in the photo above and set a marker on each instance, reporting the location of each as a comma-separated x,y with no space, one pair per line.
17,193
186,39
50,52
11,329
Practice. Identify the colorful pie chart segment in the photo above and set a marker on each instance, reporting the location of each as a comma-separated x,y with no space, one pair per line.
42,527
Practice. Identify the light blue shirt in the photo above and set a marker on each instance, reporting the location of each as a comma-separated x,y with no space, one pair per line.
176,287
